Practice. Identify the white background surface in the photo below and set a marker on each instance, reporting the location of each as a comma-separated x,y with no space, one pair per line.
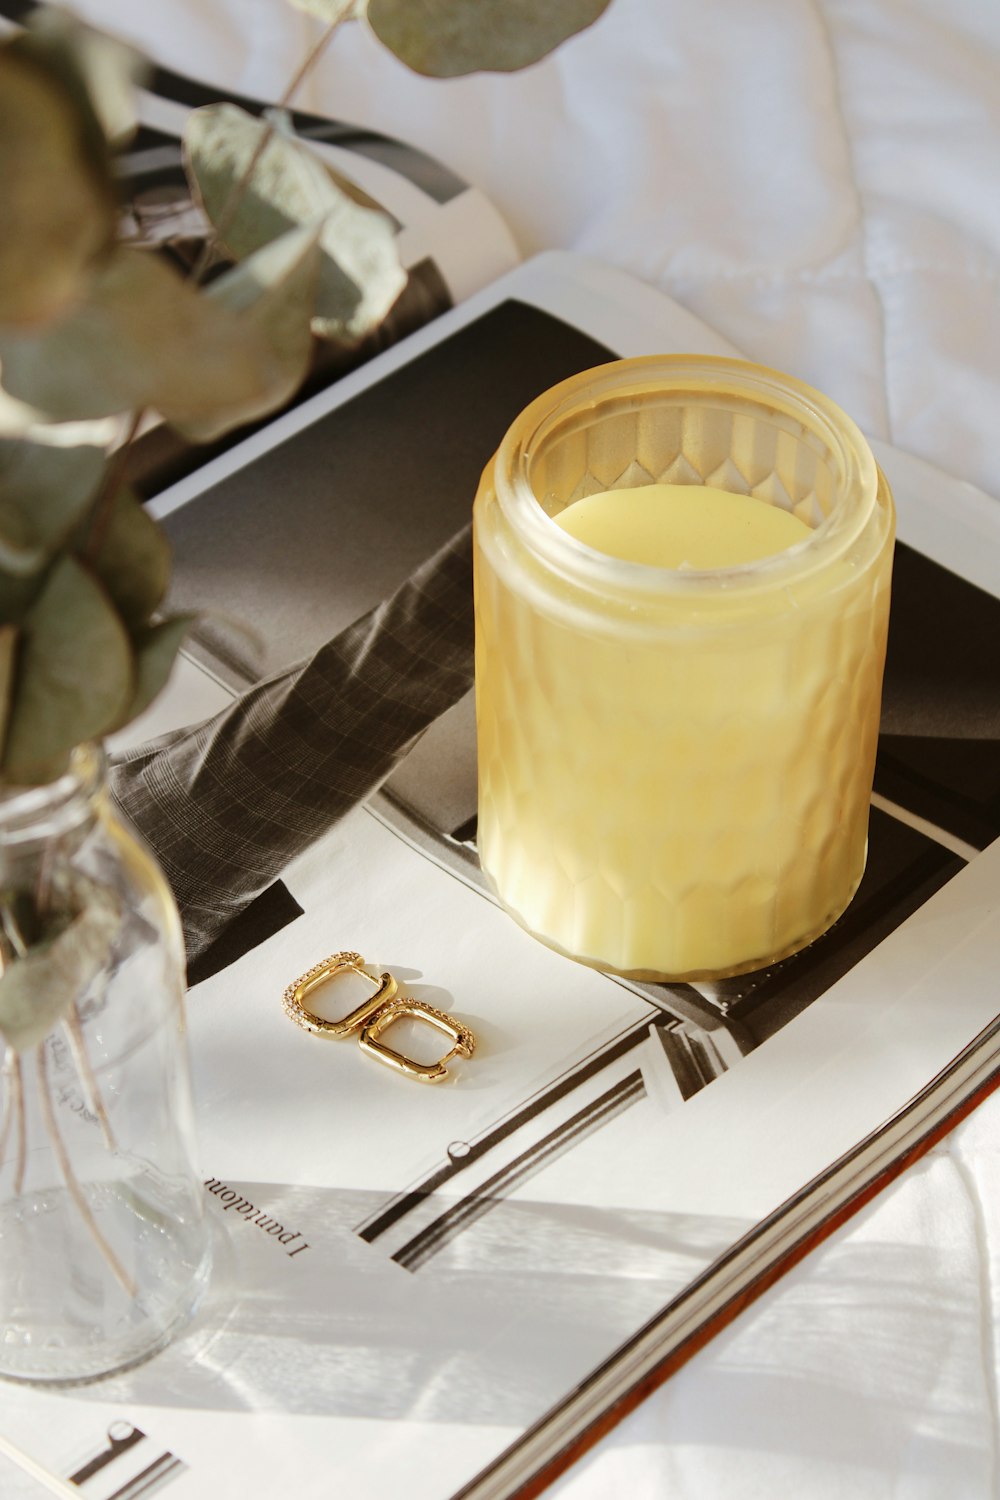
819,180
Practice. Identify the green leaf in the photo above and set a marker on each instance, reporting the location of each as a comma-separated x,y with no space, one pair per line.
156,650
360,276
100,71
38,989
44,490
274,292
18,420
59,209
17,595
8,649
145,337
132,558
74,675
446,38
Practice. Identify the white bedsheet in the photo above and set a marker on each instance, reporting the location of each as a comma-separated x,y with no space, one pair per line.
820,181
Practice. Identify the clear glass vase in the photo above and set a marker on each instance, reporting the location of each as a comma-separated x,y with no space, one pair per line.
104,1248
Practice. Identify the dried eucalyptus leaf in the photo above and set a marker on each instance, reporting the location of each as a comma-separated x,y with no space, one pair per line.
8,658
283,124
101,71
59,209
145,337
273,291
156,650
74,675
287,188
446,38
44,491
18,420
38,989
132,559
360,275
17,596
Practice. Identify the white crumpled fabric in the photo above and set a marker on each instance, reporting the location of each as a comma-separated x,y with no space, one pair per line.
820,181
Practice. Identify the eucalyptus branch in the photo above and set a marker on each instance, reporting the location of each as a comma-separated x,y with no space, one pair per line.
76,1192
104,501
7,1117
22,1125
14,1115
235,199
12,944
49,857
73,1026
6,1121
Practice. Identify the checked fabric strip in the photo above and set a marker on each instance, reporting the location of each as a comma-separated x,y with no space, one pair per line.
228,803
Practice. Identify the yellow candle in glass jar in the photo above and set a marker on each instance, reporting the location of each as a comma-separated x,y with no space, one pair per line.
678,685
682,526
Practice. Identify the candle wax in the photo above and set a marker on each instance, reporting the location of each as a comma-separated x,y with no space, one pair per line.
682,526
682,793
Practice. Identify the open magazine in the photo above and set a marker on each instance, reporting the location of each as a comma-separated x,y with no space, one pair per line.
472,1282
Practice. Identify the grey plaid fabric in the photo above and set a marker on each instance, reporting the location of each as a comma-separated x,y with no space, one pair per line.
226,804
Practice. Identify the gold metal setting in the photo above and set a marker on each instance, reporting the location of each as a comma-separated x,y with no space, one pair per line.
464,1043
339,963
374,1016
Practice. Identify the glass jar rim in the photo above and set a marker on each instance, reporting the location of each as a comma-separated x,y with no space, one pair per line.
31,811
578,563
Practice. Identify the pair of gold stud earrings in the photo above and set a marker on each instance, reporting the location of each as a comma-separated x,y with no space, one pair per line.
374,1016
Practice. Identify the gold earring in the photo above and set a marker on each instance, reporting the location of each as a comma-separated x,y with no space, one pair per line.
320,974
464,1043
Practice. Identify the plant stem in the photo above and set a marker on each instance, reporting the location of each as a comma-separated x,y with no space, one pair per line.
104,500
231,206
14,946
91,1088
7,1118
17,1098
11,948
69,1177
52,851
312,57
100,515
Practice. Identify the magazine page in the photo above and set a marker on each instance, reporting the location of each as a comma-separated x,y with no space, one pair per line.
410,1284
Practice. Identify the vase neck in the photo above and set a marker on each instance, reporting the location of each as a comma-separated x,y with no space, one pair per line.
33,814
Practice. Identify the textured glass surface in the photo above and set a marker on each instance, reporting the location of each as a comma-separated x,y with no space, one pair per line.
678,786
103,1240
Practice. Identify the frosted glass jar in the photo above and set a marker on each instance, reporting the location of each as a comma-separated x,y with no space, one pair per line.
675,766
